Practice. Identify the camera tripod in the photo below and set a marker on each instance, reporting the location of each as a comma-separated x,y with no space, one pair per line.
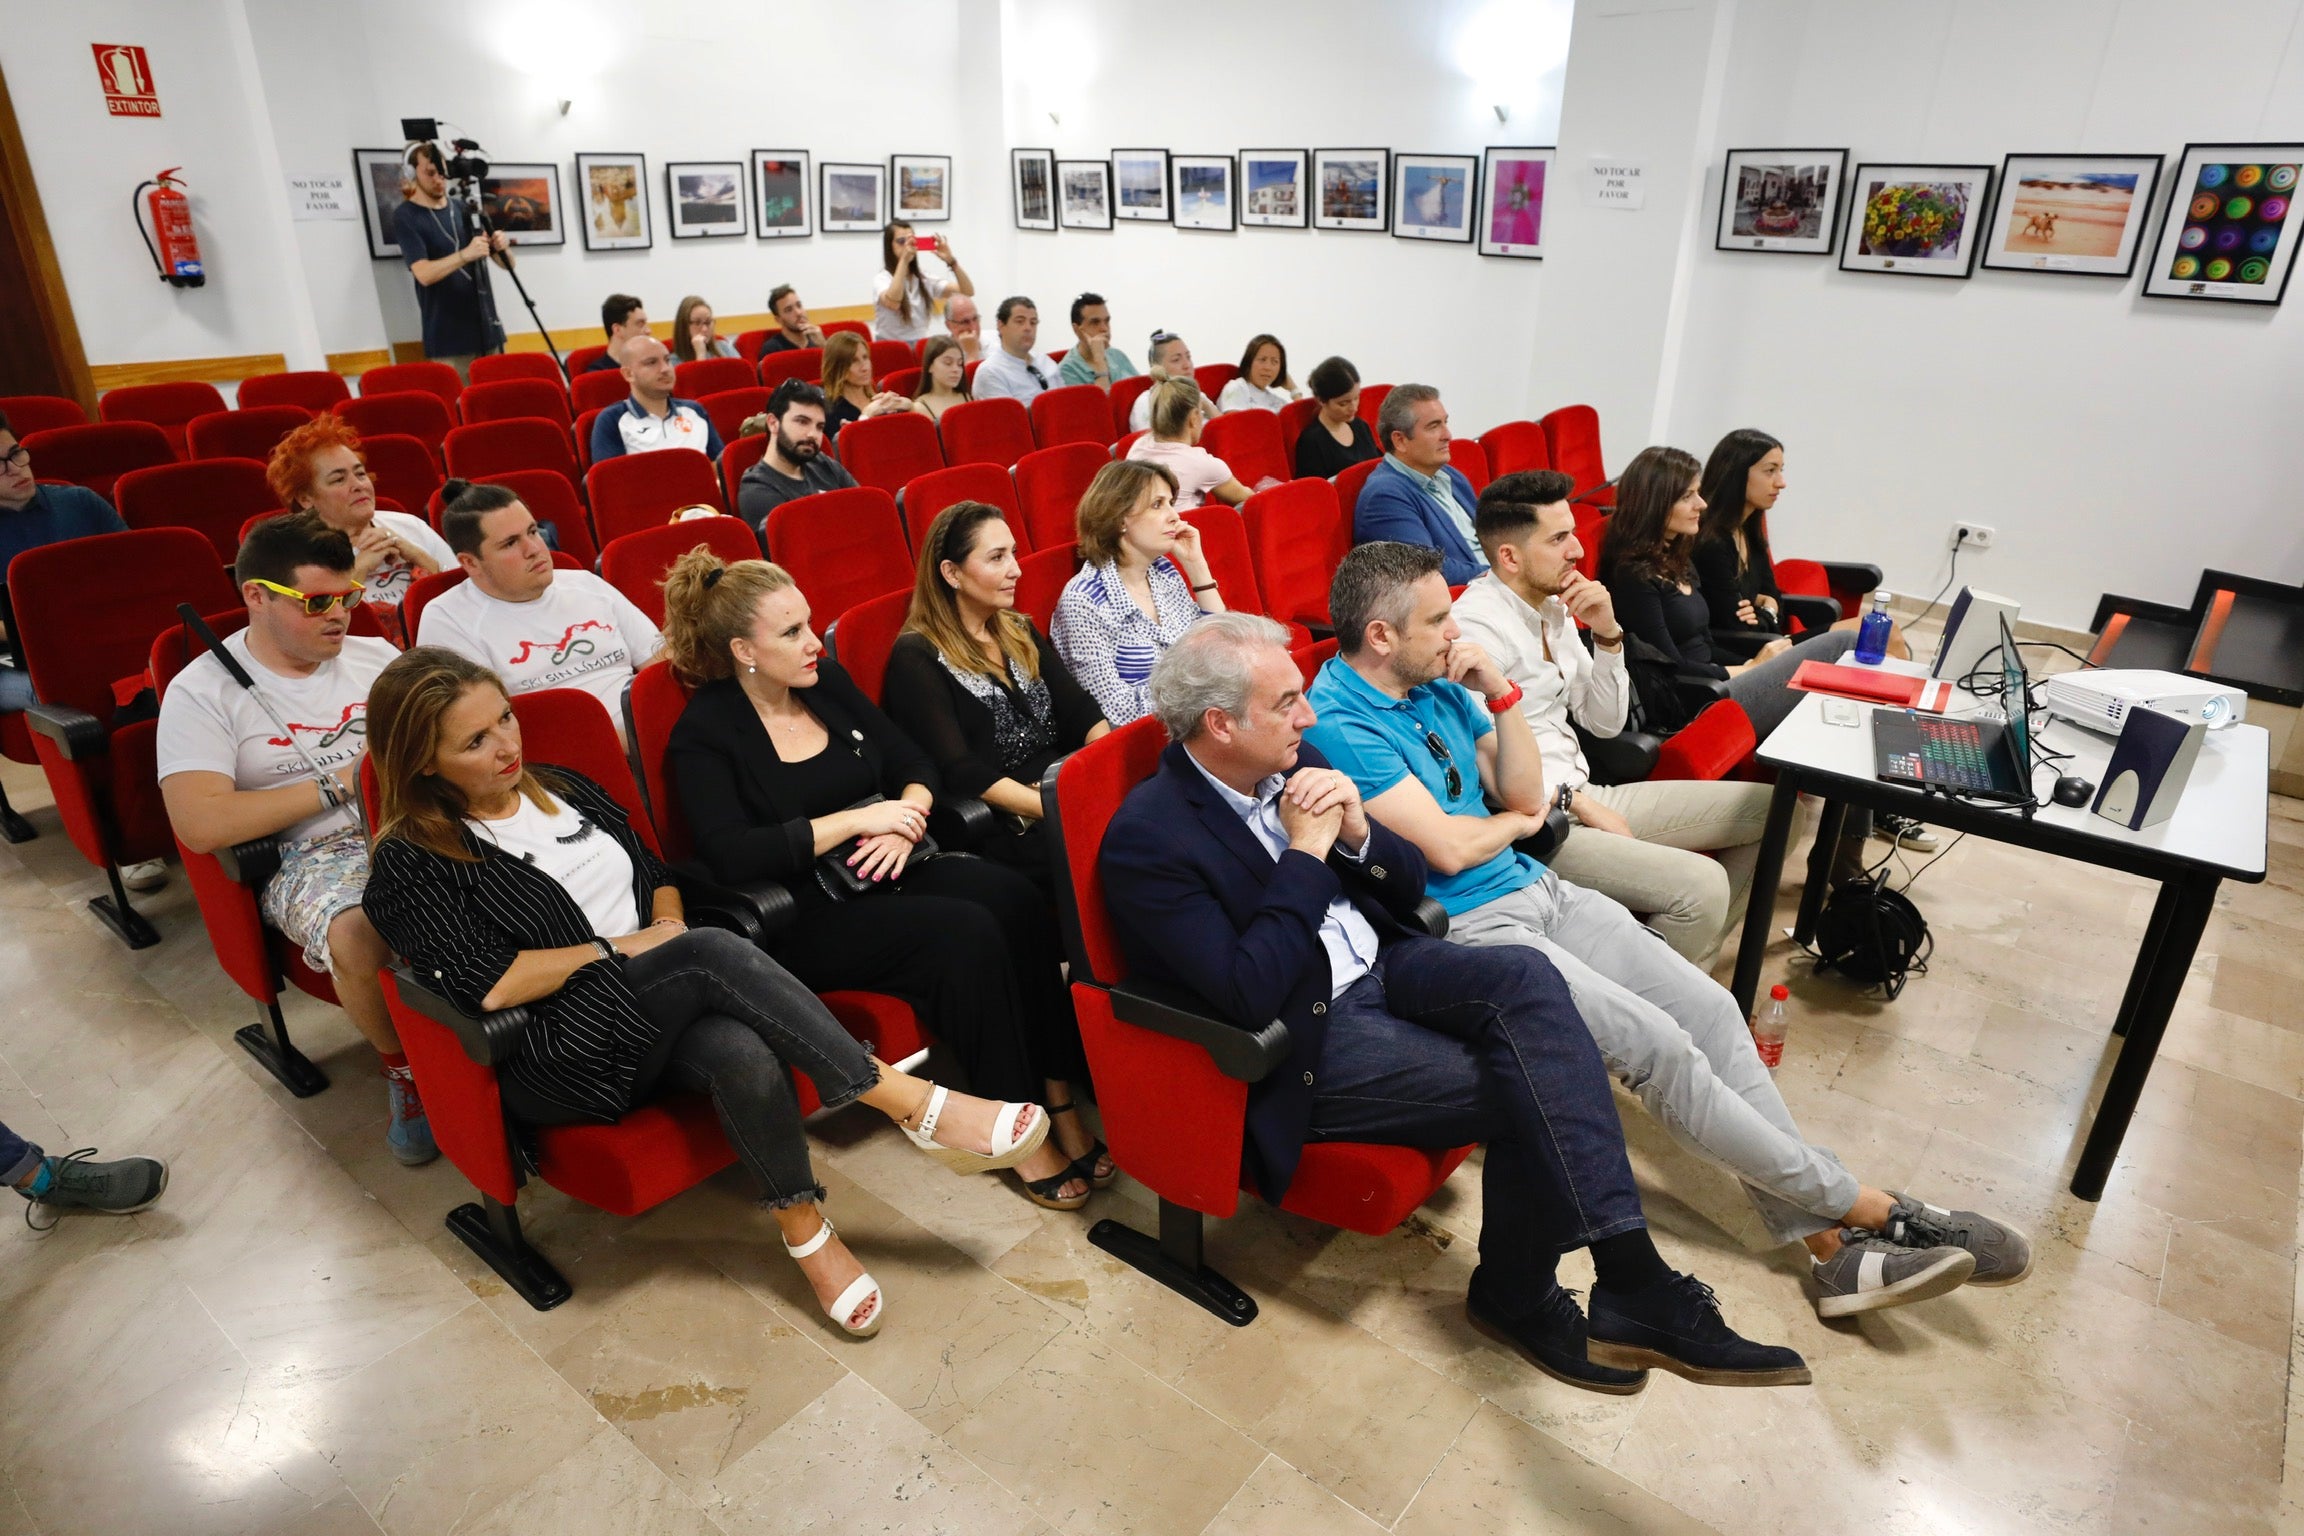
477,209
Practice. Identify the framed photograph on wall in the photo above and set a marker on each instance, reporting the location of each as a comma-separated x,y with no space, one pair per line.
1781,200
1204,192
923,187
783,206
853,198
1916,220
614,192
1084,190
1140,184
2231,228
706,197
1433,196
2071,213
1272,189
1348,187
1512,182
1032,187
382,176
524,202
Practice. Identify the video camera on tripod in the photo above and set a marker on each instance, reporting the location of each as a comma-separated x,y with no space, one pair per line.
466,169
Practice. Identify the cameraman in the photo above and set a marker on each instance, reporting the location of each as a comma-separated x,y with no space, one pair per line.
451,275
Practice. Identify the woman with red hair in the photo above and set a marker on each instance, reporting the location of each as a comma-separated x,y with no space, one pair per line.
318,469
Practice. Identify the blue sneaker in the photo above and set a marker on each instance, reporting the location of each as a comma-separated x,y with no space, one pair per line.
408,1133
76,1180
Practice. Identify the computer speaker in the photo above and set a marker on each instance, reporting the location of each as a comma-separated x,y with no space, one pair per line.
2150,764
1971,632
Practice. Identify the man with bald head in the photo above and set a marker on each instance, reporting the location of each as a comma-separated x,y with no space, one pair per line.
651,418
966,326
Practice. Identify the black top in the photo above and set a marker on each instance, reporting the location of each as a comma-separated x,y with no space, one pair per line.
1675,622
602,364
461,923
749,810
454,314
981,730
1319,454
1724,586
779,342
843,411
765,488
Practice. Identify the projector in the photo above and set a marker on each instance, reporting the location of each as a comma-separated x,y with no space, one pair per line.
2101,700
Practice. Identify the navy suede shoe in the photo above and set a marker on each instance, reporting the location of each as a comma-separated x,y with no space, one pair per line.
1675,1325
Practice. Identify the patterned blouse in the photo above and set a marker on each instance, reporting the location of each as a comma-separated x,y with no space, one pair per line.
1108,642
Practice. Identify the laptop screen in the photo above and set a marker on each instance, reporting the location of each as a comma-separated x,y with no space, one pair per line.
2014,697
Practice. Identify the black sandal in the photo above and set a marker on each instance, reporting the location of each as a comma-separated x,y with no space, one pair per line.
1085,1164
1042,1192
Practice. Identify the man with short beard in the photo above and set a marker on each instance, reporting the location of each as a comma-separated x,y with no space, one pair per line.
796,464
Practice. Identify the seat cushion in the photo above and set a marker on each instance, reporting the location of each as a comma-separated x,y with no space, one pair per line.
643,1160
1366,1188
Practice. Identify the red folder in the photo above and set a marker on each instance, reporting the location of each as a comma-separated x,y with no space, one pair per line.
1873,686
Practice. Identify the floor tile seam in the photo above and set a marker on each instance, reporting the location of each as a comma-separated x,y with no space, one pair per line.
1434,1470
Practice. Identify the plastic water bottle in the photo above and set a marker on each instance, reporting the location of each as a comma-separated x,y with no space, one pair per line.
1768,1028
1872,634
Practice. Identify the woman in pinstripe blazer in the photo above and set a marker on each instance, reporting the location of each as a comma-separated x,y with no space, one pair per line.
514,885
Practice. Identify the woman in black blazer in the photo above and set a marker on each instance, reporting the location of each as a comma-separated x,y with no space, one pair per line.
508,884
780,760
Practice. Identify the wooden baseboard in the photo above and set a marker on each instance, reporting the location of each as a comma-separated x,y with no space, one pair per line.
187,369
730,326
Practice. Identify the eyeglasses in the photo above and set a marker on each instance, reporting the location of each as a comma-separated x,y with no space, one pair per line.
16,457
1439,750
318,603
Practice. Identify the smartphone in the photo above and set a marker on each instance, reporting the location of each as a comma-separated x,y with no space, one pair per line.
925,245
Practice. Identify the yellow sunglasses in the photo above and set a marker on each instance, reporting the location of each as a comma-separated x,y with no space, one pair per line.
315,604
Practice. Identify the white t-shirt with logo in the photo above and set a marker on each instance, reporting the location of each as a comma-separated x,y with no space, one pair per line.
389,582
582,633
591,866
209,724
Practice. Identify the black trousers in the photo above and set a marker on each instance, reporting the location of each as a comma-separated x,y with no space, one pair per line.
971,945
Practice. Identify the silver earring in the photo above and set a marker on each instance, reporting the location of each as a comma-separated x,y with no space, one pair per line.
750,671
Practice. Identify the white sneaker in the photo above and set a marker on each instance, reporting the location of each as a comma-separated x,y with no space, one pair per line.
147,876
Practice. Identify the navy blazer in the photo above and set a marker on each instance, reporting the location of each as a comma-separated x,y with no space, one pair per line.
1200,903
1392,506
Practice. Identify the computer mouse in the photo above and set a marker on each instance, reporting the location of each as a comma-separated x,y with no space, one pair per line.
2071,789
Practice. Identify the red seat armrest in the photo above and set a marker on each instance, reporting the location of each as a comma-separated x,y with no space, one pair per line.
1709,746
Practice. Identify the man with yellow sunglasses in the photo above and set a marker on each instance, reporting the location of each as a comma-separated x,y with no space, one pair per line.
229,774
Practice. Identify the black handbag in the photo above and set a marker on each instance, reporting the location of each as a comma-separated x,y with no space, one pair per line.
839,879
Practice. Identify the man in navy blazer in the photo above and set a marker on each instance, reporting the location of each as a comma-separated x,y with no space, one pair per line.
1416,496
1247,871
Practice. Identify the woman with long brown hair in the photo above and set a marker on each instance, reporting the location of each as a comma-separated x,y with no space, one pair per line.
513,884
692,334
783,766
943,377
904,298
848,390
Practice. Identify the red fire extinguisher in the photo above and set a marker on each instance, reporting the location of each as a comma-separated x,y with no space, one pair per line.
178,254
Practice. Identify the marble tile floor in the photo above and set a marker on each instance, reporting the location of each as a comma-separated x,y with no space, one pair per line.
290,1342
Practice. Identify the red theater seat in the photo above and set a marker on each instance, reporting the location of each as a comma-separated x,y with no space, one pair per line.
551,499
642,490
524,442
1372,402
731,408
1296,535
1572,439
28,414
1076,413
635,564
889,451
889,357
1212,377
1471,461
710,375
1043,581
1249,441
842,547
1049,484
926,495
315,389
740,454
251,432
598,391
403,469
1224,545
170,407
1515,446
414,413
997,431
863,637
431,378
97,455
1123,402
806,363
503,366
213,497
515,398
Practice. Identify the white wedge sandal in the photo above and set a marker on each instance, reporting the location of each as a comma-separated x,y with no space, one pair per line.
1008,1149
860,1290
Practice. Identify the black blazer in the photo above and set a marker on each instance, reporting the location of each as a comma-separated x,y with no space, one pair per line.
1199,902
461,923
928,703
748,809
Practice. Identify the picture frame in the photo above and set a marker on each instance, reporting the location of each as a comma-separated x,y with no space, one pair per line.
920,188
1350,189
783,195
705,198
1032,188
1084,194
2210,183
381,175
1783,202
523,200
1916,220
2103,203
612,194
1434,197
1140,185
1204,193
854,199
1514,181
1275,187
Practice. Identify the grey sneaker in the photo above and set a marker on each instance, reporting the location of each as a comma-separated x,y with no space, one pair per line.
2003,1254
124,1185
1904,832
1870,1272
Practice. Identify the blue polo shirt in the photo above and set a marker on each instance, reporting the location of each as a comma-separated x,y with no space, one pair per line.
1379,740
55,513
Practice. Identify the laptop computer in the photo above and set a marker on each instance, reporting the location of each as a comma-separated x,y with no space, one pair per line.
1981,759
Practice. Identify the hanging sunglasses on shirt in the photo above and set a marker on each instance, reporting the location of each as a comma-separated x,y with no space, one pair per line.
315,603
1439,750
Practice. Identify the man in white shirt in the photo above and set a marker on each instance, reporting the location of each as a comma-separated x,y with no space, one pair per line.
1014,370
229,776
534,625
650,418
1643,844
965,326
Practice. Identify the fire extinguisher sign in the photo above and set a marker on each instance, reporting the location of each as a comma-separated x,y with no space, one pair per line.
126,75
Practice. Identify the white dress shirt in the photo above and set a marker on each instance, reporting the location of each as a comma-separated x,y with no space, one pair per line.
1018,378
1593,686
1347,936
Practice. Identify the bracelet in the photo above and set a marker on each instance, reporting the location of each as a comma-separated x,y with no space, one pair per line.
1504,700
607,950
1206,586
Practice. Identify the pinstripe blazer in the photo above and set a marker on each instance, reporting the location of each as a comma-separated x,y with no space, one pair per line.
462,923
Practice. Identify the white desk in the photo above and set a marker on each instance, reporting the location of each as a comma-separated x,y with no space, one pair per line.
2218,832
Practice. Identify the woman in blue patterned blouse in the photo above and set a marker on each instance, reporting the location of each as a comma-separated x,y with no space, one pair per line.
1143,581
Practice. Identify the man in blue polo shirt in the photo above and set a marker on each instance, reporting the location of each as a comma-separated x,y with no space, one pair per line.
1416,495
650,418
1428,728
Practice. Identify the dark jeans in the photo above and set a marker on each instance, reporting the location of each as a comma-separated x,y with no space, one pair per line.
740,1020
1442,1045
18,1157
971,945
